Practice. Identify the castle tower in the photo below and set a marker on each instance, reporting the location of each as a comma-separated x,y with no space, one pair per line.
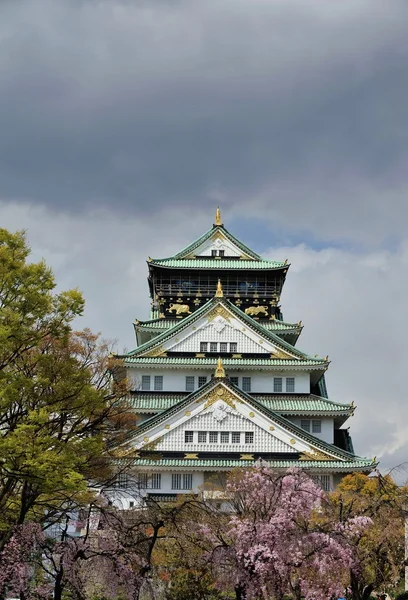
218,381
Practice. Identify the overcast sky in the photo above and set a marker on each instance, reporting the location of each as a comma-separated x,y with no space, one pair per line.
123,124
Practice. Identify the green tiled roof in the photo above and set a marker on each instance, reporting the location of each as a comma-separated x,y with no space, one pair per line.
218,264
275,325
208,234
229,363
146,402
227,464
197,314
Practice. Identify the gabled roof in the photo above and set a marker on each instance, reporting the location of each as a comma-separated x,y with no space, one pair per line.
217,229
275,325
153,348
245,257
202,398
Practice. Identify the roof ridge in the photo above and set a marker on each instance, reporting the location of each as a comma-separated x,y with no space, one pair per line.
208,234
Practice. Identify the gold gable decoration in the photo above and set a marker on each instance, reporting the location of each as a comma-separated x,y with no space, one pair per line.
219,311
220,393
315,455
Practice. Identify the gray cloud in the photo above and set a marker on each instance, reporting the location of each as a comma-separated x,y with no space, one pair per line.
149,104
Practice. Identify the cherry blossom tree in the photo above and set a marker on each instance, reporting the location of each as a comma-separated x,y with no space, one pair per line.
278,540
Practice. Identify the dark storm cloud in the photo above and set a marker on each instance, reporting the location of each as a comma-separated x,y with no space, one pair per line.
136,105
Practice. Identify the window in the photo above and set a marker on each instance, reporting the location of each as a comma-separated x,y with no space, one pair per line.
233,347
146,382
187,481
203,346
146,481
189,383
176,481
277,384
305,424
249,437
213,435
181,482
235,437
316,426
234,380
158,383
224,437
324,481
188,437
223,347
290,385
213,346
221,253
202,437
121,481
142,480
155,481
131,504
246,384
202,380
213,252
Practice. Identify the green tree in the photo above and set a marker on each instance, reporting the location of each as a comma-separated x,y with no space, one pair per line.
58,401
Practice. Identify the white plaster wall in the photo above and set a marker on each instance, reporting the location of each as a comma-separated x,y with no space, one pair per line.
264,441
209,333
123,498
261,381
327,434
218,244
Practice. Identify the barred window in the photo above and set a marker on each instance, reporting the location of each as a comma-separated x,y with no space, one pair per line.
290,385
213,346
155,481
146,382
213,435
305,424
249,437
158,383
223,347
122,481
202,380
234,380
324,481
235,437
187,481
246,384
203,346
277,385
142,480
176,481
233,347
224,437
202,437
189,383
188,437
316,426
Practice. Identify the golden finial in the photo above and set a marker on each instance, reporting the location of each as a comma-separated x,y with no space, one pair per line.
218,220
327,358
219,371
352,403
300,324
374,459
286,261
219,293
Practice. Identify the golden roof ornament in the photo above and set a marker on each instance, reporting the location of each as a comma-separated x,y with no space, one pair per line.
218,220
219,293
219,371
